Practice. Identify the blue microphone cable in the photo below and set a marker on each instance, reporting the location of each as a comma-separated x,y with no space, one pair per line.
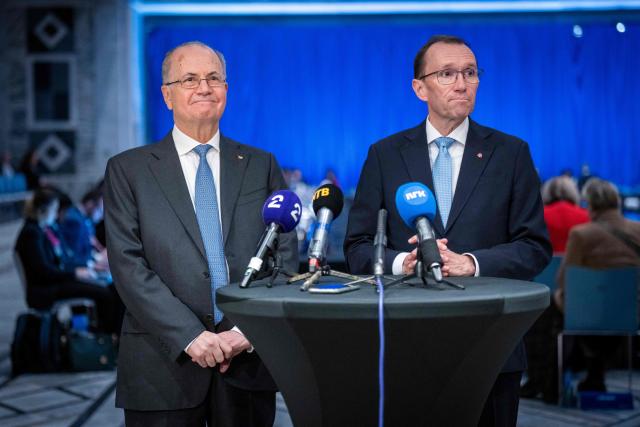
380,286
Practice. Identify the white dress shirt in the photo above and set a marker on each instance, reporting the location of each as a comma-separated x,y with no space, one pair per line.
190,160
456,151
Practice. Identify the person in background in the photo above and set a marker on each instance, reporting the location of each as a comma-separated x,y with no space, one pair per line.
30,167
7,167
608,241
561,211
77,225
49,275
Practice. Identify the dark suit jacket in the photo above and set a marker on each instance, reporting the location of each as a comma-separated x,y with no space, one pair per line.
591,245
158,262
44,270
496,213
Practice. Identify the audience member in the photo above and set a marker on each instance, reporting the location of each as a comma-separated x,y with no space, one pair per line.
7,167
330,177
48,273
561,211
585,175
608,241
30,167
77,225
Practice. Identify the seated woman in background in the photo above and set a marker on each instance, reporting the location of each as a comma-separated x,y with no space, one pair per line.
48,273
561,211
598,245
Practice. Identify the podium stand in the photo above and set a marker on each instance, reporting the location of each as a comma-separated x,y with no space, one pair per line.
444,347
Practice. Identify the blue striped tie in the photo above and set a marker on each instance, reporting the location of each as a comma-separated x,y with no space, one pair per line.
209,222
442,177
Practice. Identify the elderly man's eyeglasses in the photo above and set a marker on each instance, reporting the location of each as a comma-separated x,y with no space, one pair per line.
449,75
193,82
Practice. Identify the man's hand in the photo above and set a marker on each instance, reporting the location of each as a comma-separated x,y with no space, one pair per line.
238,343
209,349
453,264
409,263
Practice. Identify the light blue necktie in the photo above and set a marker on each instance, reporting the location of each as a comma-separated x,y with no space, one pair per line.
443,176
209,222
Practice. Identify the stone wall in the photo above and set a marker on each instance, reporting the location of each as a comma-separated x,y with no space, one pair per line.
65,88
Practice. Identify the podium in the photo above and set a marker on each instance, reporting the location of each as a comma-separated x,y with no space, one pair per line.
444,347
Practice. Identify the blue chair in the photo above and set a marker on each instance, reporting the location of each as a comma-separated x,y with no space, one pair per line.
548,275
600,302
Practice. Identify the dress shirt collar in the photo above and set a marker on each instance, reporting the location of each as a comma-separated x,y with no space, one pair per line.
459,133
185,143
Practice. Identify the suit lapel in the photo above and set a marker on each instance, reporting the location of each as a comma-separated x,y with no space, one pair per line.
167,171
233,165
415,154
477,153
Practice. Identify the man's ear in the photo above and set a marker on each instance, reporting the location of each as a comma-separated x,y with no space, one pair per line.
166,94
420,90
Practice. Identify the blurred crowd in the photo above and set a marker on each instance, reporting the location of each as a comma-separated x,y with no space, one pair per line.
587,229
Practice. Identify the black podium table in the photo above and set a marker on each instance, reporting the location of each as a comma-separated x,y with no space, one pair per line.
444,347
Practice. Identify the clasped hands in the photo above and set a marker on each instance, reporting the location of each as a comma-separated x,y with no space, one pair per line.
453,264
210,349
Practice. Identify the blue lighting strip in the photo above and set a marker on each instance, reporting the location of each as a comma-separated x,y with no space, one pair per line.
378,8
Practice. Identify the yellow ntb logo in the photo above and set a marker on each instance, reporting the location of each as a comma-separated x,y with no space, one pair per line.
320,192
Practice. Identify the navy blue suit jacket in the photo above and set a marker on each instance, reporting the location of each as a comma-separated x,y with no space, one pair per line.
496,213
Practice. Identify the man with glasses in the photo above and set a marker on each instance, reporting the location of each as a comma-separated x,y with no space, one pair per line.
489,219
183,217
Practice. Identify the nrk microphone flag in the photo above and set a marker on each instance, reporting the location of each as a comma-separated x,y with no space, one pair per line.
414,200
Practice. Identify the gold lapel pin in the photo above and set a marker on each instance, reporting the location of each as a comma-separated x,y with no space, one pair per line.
479,155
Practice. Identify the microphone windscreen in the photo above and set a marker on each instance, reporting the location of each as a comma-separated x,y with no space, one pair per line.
328,196
413,200
283,207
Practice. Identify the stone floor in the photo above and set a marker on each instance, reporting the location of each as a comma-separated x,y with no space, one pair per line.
87,399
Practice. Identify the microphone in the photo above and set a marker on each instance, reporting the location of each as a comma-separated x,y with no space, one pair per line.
417,207
380,243
280,213
327,205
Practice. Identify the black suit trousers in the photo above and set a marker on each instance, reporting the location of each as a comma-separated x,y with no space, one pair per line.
224,406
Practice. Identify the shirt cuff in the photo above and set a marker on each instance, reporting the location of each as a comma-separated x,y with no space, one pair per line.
396,268
475,261
189,345
236,329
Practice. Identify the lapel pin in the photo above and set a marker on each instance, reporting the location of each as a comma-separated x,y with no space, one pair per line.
240,157
479,155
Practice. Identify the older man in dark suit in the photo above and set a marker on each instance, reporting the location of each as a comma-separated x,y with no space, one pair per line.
490,218
183,217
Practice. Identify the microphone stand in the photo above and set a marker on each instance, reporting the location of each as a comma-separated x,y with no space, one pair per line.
421,272
273,261
310,278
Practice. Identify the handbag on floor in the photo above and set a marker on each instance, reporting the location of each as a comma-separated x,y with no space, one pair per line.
91,351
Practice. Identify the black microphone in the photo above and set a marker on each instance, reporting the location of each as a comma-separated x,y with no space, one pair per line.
380,243
281,213
327,205
429,248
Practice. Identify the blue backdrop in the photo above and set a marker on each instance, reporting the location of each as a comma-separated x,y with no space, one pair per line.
317,91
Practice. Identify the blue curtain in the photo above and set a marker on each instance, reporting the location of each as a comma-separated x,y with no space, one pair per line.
318,91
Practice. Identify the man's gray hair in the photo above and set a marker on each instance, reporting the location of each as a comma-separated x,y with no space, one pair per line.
166,62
